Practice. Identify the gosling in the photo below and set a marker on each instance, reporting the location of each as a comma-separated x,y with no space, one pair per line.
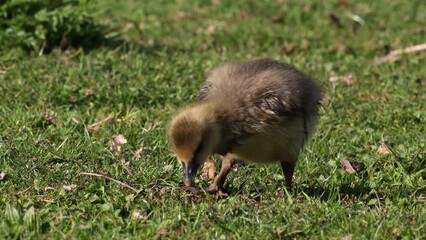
261,111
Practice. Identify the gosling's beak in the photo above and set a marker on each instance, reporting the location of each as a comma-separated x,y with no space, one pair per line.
189,172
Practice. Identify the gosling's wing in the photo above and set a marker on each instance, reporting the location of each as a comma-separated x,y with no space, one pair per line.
267,110
287,102
261,94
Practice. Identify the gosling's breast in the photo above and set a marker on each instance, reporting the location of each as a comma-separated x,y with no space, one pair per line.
278,143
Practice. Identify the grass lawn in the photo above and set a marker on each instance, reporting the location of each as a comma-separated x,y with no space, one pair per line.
48,106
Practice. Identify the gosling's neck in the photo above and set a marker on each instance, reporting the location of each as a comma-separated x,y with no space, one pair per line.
215,116
207,112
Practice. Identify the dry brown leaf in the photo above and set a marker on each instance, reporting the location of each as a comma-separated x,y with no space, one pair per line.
289,48
326,99
209,169
352,167
165,231
347,166
49,120
117,141
244,14
74,120
334,78
424,82
46,200
347,78
206,223
347,237
396,231
70,187
211,29
138,153
383,149
277,19
2,175
89,92
47,188
139,214
181,15
344,3
178,229
164,190
161,232
148,43
339,46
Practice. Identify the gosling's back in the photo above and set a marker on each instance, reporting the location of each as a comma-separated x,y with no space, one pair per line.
263,96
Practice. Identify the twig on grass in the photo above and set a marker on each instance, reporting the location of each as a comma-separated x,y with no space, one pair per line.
110,178
62,144
397,158
93,126
127,168
395,55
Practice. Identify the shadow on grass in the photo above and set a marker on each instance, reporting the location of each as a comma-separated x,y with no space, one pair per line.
323,193
341,192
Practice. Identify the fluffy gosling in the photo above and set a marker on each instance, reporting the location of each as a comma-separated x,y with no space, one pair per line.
261,111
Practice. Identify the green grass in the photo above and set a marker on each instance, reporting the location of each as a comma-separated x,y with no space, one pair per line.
167,49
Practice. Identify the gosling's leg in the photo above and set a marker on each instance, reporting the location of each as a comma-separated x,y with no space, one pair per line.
227,163
288,170
288,162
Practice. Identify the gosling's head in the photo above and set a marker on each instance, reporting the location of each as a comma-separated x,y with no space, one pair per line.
194,134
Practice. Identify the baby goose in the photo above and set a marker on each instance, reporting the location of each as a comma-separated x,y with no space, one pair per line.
260,111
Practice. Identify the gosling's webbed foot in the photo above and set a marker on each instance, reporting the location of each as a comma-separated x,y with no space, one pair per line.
192,189
214,189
